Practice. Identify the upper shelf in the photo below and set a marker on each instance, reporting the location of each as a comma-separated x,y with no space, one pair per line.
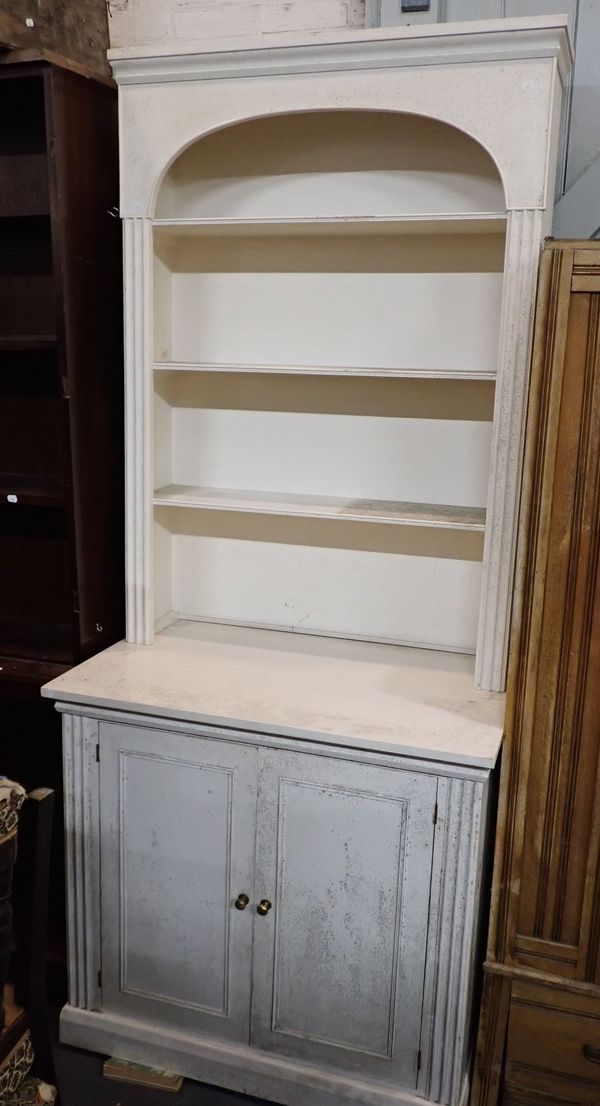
480,222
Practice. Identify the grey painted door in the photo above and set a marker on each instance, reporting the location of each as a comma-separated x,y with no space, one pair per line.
344,855
177,845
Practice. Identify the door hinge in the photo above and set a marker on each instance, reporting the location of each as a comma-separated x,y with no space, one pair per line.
100,979
75,602
419,1059
435,814
98,754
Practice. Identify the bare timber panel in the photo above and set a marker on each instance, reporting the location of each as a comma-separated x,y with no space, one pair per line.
539,1040
78,32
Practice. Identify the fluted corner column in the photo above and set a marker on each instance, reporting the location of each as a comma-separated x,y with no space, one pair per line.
137,255
523,245
82,860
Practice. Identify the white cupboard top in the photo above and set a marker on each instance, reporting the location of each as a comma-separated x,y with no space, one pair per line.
411,702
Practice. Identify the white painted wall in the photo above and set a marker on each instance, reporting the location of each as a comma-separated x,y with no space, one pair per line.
141,22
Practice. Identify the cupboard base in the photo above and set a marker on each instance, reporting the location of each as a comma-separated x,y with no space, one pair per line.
224,1064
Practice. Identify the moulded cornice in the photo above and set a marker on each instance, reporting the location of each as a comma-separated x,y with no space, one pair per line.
500,40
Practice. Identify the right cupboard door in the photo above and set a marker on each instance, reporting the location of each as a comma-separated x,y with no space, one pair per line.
344,855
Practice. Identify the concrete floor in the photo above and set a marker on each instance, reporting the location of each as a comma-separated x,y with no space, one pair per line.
81,1083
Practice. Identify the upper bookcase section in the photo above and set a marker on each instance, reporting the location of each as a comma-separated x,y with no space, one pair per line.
497,81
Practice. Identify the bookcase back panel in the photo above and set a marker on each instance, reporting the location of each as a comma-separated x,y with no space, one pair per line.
426,460
161,321
30,415
22,115
27,306
407,585
374,302
23,185
320,163
36,608
440,321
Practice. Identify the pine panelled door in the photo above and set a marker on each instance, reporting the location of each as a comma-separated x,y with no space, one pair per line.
540,1028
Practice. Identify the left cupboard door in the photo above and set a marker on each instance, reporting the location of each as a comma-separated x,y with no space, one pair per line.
177,817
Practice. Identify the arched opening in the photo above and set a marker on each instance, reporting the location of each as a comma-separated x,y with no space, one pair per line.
331,163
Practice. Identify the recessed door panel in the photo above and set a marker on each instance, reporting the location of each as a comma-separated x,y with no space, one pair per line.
344,857
177,849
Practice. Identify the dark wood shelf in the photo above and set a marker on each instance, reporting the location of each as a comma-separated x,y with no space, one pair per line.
38,640
61,555
17,343
22,670
31,491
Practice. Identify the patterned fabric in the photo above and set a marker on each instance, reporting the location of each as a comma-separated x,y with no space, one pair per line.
12,797
33,1093
14,1069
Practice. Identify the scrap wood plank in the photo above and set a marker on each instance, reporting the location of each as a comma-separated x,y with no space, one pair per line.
123,1071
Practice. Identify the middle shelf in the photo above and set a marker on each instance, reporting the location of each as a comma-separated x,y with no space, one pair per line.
414,452
326,507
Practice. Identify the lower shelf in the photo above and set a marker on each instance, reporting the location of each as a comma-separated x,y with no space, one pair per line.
39,640
33,673
403,584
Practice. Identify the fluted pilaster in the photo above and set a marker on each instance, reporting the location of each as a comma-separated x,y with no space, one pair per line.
137,238
82,854
523,241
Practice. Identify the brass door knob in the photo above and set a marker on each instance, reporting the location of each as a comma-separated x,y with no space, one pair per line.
264,906
241,902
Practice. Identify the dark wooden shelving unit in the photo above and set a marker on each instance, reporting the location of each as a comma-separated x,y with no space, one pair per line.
61,409
61,449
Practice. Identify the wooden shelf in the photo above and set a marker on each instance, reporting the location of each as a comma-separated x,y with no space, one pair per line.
479,222
22,670
319,370
17,343
321,507
31,491
37,641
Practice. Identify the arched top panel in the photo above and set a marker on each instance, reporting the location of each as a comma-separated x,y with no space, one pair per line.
330,164
498,84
